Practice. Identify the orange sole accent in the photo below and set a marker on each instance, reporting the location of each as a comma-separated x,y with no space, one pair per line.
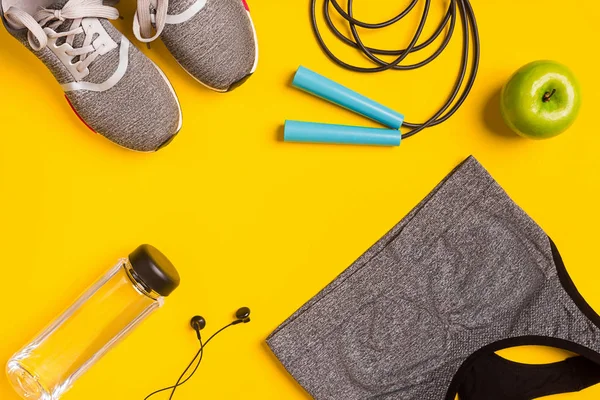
79,116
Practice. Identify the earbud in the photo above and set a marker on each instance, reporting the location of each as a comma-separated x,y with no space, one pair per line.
198,323
243,315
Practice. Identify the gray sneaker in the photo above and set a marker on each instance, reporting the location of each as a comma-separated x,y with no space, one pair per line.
113,88
213,40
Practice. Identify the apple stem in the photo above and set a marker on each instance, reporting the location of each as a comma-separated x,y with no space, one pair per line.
547,95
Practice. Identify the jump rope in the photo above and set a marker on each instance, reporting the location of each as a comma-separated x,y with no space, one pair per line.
470,56
452,104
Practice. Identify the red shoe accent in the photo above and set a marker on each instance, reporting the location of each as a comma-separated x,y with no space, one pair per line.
79,116
246,5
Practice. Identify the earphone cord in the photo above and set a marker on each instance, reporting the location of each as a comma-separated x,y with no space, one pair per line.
199,354
457,96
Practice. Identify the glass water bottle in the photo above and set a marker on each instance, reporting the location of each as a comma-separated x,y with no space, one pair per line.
104,314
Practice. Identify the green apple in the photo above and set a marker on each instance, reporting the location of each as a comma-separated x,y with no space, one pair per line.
541,100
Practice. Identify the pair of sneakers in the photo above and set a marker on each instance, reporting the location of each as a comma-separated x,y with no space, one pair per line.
114,88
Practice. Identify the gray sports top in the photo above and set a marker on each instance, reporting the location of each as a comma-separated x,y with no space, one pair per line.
464,274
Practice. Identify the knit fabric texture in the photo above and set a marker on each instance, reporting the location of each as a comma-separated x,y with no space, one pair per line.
141,112
465,270
216,46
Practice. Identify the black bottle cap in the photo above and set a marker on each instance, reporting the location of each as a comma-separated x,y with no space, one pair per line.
154,270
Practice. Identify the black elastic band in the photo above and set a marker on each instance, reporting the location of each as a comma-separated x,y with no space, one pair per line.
586,352
470,30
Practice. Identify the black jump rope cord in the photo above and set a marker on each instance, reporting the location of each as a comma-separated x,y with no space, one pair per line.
467,17
199,354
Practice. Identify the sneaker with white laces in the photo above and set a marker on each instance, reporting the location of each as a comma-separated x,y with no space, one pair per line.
213,40
113,88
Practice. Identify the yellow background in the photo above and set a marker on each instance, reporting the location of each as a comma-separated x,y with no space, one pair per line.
250,220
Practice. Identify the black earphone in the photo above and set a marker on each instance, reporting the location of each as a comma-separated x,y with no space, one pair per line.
198,323
242,315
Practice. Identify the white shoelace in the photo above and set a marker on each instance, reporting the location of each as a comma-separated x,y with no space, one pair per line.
74,10
142,22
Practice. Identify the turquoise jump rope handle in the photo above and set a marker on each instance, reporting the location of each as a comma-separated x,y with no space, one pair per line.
329,90
311,132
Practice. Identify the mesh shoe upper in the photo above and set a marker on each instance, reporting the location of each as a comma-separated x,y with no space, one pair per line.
124,96
217,45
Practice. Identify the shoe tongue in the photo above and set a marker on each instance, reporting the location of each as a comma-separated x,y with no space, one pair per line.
58,5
